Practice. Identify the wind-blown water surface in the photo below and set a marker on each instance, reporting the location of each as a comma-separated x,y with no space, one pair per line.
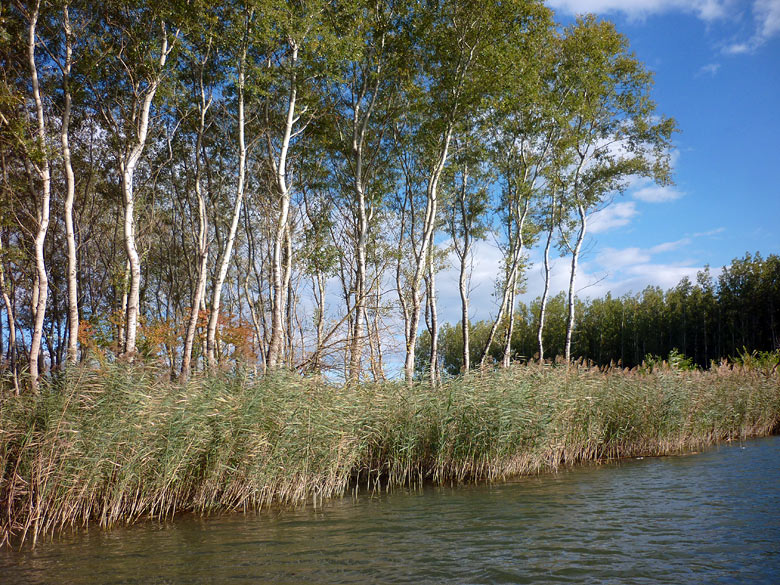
708,518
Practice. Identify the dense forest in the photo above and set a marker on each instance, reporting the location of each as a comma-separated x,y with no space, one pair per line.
278,183
731,316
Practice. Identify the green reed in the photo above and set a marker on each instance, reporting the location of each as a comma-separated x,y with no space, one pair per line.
121,443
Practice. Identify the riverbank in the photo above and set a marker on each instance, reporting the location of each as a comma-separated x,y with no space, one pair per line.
120,444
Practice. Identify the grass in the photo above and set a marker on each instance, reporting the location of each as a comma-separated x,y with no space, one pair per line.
118,444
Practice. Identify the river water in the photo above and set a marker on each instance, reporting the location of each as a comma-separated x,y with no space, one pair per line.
707,518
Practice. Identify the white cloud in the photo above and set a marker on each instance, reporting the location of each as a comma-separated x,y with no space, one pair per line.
766,17
634,269
670,246
559,278
615,259
709,69
485,270
613,270
657,194
739,49
709,233
608,270
664,275
706,10
612,216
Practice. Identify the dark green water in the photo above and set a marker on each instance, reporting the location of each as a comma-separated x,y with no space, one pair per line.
707,518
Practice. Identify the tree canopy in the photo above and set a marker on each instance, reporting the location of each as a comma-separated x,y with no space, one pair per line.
276,183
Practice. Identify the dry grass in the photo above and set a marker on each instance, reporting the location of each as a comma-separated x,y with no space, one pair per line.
119,444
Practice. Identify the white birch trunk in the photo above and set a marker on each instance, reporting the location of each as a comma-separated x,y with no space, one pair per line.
356,346
545,294
508,297
464,307
510,327
374,340
465,257
70,184
423,257
224,263
288,302
318,289
520,217
570,321
203,250
359,131
499,317
433,325
128,167
122,329
41,287
277,270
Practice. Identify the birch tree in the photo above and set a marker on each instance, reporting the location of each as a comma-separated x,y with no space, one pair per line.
202,59
135,41
244,35
38,166
550,216
64,62
366,100
456,35
467,221
613,131
305,49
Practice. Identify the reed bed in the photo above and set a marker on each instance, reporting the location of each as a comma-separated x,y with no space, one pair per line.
119,444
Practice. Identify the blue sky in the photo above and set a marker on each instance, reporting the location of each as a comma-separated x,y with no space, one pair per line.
717,72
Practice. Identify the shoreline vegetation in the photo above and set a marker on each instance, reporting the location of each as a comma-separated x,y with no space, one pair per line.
193,192
121,443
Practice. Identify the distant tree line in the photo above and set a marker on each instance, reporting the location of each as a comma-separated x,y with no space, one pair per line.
717,317
278,182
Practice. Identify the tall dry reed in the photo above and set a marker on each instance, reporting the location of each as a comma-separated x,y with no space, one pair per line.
121,443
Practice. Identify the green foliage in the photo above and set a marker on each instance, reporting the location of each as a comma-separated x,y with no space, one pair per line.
690,325
678,361
764,361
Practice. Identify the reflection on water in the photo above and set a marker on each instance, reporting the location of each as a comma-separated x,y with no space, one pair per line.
708,518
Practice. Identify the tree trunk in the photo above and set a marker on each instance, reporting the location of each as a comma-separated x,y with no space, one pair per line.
545,294
520,217
203,250
464,308
356,348
128,166
510,326
423,256
402,298
433,325
463,277
359,131
41,287
508,298
122,324
572,277
277,270
9,310
377,367
73,294
134,261
289,299
318,288
216,298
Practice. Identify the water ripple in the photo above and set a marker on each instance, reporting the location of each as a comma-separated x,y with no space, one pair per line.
712,518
